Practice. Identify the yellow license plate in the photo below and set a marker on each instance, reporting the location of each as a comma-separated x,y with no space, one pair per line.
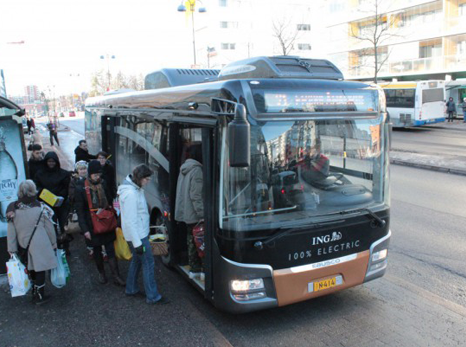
326,284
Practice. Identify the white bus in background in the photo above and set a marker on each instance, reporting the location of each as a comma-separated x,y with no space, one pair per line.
412,104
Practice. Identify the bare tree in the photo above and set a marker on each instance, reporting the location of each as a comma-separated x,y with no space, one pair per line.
379,29
100,82
285,33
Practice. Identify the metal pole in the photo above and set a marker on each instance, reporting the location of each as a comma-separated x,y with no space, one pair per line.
194,37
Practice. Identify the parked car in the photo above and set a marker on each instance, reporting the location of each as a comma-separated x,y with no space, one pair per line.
62,114
72,114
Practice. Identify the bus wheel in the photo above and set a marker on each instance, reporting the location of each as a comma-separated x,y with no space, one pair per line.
157,221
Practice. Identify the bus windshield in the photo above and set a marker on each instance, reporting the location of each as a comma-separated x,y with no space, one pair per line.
303,172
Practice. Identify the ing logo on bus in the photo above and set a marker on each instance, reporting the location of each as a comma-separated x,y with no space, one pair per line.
320,240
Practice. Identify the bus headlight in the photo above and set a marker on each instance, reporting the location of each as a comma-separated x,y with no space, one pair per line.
246,285
244,290
377,256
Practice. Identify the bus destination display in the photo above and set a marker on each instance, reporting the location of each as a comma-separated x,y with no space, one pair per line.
317,101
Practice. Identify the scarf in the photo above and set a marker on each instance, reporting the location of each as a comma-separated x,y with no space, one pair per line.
98,197
27,202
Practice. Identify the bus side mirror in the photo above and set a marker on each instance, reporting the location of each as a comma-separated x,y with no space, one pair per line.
239,139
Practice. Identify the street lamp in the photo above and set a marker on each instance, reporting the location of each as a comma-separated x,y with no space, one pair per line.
192,9
108,57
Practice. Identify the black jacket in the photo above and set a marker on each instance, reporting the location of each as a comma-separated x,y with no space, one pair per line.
84,216
109,176
81,154
56,180
35,166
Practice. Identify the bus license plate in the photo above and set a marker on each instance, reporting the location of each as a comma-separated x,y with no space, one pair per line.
325,284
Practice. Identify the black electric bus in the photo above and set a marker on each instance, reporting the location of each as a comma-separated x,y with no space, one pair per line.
295,166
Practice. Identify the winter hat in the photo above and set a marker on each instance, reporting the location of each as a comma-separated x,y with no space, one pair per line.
81,165
94,167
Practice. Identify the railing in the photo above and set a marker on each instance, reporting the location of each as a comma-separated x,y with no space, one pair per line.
413,66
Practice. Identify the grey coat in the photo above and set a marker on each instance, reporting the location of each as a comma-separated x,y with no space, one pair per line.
41,256
189,204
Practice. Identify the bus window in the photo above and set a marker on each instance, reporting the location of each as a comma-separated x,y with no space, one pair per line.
309,168
400,98
432,95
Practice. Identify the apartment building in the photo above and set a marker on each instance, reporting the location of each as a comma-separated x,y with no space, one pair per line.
231,30
422,39
31,94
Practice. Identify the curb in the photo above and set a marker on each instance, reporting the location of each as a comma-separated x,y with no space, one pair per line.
428,167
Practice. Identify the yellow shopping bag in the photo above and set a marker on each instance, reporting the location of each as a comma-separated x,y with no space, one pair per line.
122,250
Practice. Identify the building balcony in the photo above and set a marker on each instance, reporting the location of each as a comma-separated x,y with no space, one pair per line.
442,64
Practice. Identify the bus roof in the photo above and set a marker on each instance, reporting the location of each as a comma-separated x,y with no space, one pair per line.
179,97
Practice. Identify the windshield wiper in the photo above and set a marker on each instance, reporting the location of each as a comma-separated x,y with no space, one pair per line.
260,244
379,220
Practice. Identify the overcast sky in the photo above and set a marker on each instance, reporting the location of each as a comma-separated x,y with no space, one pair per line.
64,39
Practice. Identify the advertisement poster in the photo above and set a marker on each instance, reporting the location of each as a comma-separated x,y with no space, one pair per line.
12,167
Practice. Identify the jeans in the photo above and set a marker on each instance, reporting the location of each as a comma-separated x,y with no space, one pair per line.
146,261
464,116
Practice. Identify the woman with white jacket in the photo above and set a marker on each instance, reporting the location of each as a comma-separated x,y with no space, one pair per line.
135,222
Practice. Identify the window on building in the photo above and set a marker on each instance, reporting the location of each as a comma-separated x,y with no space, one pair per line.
230,25
227,46
462,10
304,46
461,48
430,51
222,3
304,27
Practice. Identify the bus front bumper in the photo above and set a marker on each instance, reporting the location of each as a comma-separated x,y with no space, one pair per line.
260,287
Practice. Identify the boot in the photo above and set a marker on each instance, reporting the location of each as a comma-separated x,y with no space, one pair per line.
102,278
100,267
33,292
41,298
116,272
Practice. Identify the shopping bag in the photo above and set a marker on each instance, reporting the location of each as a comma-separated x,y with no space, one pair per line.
18,278
198,234
122,250
60,275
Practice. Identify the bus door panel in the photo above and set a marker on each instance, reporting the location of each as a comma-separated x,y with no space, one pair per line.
108,125
208,157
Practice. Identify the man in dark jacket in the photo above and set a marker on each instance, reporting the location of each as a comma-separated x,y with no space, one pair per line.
82,152
36,161
451,109
53,178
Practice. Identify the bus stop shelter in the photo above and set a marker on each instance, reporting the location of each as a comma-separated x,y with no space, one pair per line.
12,164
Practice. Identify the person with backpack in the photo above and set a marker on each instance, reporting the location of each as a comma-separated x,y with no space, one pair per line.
30,230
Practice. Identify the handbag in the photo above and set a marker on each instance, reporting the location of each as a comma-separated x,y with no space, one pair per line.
72,226
23,252
103,220
122,250
198,235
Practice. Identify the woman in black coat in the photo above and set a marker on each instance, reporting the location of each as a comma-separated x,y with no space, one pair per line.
100,199
108,173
